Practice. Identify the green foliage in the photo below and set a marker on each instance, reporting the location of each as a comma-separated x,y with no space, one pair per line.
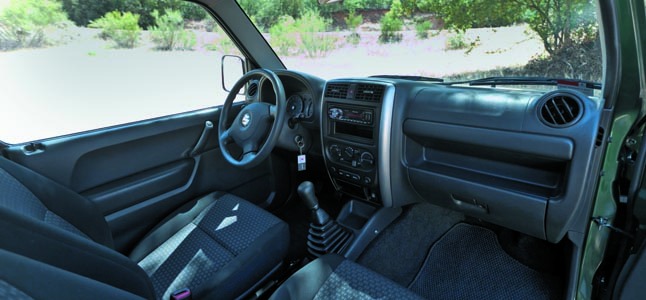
267,13
282,35
353,21
391,24
122,28
312,27
22,22
558,23
464,14
169,33
82,12
456,41
421,28
223,45
353,5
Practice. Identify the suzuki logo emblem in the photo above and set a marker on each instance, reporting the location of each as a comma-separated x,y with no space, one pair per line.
246,119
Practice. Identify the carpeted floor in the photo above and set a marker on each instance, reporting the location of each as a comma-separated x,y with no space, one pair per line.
469,263
401,248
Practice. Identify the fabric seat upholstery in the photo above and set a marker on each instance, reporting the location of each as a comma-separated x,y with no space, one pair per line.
334,277
18,281
220,246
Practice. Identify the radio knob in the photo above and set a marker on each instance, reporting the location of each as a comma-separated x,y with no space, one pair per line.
367,159
335,113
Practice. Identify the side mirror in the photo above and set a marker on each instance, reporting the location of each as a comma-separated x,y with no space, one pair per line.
233,67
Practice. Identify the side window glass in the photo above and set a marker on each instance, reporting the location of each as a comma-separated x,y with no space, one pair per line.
70,66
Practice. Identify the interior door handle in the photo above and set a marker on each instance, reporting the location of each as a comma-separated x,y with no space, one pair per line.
33,148
201,143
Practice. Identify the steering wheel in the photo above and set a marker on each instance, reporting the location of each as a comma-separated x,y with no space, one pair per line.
252,128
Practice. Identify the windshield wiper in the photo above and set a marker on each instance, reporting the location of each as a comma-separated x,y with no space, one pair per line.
410,77
493,81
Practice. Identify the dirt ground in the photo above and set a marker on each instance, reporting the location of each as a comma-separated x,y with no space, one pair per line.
86,85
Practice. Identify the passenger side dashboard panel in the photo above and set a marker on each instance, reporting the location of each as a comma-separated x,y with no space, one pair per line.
487,153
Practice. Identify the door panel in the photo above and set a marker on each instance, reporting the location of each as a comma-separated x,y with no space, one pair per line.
139,173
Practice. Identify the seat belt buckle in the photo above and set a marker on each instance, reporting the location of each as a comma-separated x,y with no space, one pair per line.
183,294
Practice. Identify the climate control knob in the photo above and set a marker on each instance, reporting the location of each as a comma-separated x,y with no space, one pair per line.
367,160
348,152
335,151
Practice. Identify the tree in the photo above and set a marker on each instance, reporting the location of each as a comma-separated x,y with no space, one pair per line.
560,22
557,22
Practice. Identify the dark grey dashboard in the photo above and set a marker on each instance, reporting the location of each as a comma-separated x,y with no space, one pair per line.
516,158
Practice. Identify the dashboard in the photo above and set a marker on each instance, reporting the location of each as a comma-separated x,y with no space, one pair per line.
516,158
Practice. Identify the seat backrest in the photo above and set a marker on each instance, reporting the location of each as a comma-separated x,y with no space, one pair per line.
47,222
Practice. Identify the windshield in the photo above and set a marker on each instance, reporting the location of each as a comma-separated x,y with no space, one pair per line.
454,40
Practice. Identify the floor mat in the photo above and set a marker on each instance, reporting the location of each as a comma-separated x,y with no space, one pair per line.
469,263
400,250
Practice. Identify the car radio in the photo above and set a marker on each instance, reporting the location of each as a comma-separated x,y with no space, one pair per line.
351,115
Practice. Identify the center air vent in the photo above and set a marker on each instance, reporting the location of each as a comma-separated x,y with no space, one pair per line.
560,110
369,92
337,90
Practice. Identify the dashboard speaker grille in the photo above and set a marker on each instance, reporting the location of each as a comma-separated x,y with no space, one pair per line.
560,110
337,90
369,92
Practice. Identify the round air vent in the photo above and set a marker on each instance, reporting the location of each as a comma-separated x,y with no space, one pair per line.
252,89
560,110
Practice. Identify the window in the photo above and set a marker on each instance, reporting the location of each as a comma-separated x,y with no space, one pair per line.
67,67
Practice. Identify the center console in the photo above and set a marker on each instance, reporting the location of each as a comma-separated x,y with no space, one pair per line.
355,122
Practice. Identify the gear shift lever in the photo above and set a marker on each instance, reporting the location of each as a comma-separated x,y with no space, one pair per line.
306,192
325,235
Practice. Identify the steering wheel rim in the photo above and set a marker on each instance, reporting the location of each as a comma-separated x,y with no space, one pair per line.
249,127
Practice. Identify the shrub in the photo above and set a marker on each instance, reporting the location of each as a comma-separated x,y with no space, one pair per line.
352,22
169,33
223,45
282,35
456,41
391,24
84,11
122,28
421,29
311,27
22,22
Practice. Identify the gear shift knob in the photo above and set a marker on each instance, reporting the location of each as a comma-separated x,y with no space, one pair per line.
306,192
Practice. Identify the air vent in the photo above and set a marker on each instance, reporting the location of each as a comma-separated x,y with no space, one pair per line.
337,90
560,110
600,134
252,89
369,92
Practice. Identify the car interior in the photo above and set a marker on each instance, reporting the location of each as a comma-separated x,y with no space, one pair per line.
351,188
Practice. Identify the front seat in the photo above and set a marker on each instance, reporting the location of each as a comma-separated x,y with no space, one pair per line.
333,277
219,246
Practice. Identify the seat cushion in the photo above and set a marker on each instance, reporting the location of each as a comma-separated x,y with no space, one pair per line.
334,277
219,246
24,278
